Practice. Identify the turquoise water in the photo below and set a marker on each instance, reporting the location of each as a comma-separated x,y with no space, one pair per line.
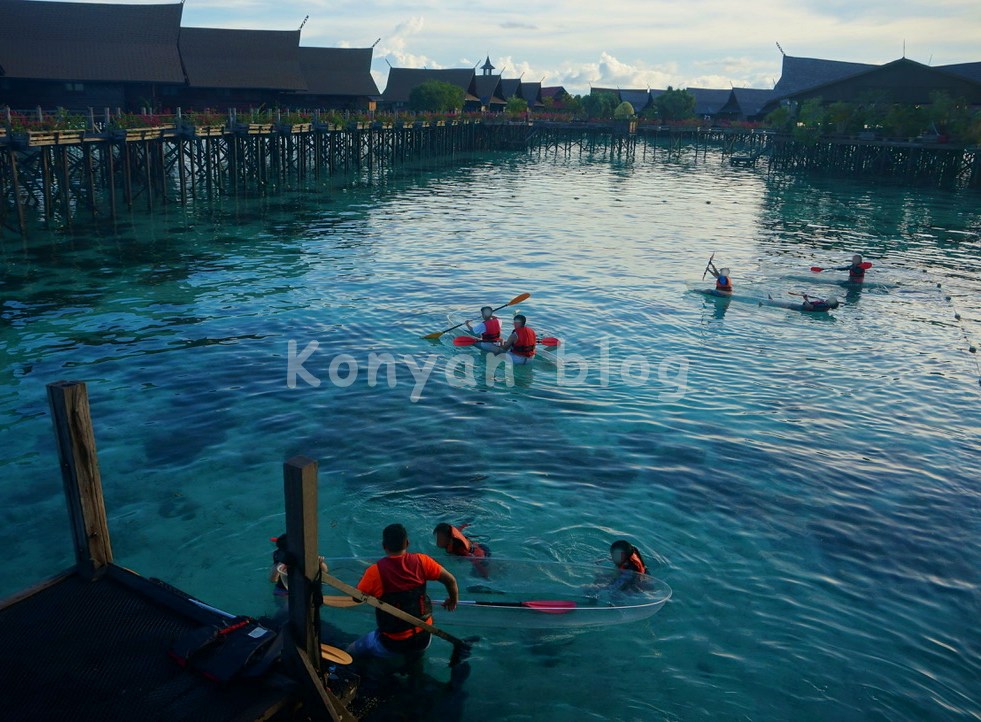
805,483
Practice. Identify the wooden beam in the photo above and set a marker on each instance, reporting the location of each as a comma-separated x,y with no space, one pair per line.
310,679
300,490
69,403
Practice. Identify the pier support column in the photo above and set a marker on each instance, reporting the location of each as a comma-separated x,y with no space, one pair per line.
69,403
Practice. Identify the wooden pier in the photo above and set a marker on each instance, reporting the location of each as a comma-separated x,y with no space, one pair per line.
59,177
100,643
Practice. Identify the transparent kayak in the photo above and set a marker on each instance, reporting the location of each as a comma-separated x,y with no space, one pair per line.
531,594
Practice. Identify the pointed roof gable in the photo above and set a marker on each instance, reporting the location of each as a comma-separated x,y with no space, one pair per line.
401,81
639,99
486,88
256,59
750,101
800,74
90,41
509,87
337,71
709,101
531,92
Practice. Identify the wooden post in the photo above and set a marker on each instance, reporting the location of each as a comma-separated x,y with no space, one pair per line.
300,490
69,403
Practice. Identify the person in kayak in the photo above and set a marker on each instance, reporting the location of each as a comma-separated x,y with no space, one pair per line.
520,346
451,539
723,283
400,579
856,269
817,305
489,329
629,563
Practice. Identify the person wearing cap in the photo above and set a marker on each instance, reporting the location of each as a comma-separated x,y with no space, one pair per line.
488,330
400,580
723,283
856,269
520,346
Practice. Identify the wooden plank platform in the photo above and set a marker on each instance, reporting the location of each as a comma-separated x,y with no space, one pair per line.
83,650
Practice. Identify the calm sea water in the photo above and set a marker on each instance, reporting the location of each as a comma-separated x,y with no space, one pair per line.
807,485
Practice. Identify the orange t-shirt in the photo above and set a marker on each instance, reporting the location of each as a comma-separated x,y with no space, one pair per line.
401,576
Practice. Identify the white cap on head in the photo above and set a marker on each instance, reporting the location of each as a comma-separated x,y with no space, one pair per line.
724,272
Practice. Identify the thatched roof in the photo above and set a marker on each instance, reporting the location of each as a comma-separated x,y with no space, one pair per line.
338,71
401,81
750,101
254,59
971,71
639,99
531,92
554,91
486,88
90,42
709,101
800,74
509,87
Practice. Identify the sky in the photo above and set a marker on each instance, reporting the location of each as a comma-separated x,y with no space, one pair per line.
618,43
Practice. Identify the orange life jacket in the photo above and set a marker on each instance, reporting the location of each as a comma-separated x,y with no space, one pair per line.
633,563
492,329
720,286
405,588
525,345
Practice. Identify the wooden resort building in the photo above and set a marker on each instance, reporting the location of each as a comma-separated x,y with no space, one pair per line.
745,104
337,78
80,55
402,81
240,68
487,87
557,93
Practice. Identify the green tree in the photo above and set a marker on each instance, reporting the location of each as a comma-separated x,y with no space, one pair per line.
599,105
435,96
624,111
675,104
779,118
516,105
810,120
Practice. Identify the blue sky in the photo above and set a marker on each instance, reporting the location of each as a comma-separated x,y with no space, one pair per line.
625,43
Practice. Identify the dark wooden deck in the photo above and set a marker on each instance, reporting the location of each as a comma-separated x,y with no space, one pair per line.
74,649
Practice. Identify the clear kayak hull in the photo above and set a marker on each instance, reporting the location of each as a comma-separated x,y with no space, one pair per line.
533,594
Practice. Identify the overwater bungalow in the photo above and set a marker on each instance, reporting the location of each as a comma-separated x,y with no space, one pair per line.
338,78
240,68
81,55
402,81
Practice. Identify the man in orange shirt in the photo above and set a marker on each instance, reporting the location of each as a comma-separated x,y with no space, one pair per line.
400,579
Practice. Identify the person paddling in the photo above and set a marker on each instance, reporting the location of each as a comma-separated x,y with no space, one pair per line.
856,269
489,329
520,346
400,579
723,283
452,539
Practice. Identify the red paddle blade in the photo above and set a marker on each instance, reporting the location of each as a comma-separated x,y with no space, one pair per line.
816,269
867,265
464,341
551,607
549,341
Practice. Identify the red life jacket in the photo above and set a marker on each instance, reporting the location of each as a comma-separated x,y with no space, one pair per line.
405,587
856,273
525,345
720,286
461,546
492,329
633,564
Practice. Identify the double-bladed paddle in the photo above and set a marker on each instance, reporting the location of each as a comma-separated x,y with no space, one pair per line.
470,341
461,648
555,606
708,265
514,301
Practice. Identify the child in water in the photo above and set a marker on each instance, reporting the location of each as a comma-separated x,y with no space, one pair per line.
722,281
451,539
630,564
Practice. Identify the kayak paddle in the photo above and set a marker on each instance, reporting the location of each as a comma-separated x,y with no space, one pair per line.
514,301
817,269
471,340
558,606
461,648
707,265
